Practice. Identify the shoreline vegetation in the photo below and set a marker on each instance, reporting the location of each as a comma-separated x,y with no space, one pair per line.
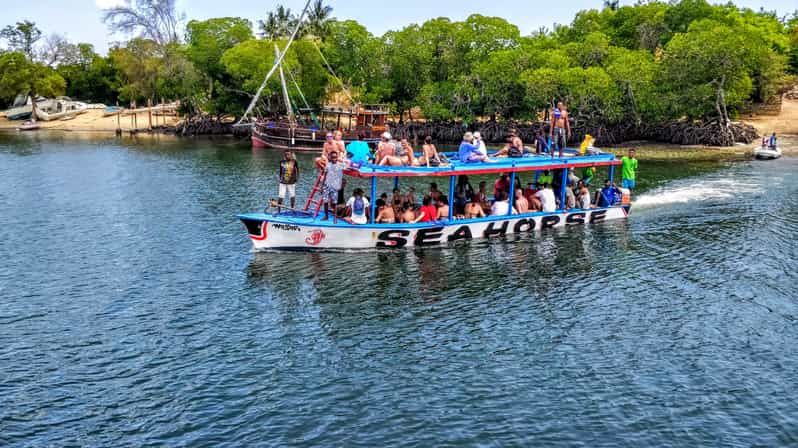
681,72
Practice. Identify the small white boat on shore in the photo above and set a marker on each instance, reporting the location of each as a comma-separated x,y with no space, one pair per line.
59,108
767,153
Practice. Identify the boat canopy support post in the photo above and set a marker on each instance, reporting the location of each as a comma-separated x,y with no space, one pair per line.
395,182
511,193
451,196
374,199
612,173
563,186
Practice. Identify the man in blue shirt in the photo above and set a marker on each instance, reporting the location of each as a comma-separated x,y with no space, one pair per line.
468,152
360,151
609,195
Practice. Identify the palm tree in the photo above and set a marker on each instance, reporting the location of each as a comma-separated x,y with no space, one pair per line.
278,24
612,4
318,17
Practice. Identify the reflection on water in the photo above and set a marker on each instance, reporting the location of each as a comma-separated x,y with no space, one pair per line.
134,313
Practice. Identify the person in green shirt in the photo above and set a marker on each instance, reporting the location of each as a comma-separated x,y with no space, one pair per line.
587,175
629,170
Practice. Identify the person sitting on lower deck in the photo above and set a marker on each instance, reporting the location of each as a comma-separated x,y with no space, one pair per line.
482,197
546,197
546,178
501,206
521,204
443,208
609,195
407,215
468,152
501,185
358,205
385,213
410,197
427,212
582,196
434,193
474,209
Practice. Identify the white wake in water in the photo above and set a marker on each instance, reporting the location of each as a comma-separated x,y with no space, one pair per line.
683,191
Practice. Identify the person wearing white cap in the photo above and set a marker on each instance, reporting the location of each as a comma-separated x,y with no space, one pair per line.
386,152
480,144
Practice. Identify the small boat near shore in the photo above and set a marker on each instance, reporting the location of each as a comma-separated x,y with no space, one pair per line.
767,152
59,108
305,230
30,125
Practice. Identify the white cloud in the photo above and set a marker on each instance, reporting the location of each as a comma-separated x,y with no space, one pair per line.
105,4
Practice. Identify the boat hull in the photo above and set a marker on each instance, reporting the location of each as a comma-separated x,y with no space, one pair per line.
278,232
767,153
300,139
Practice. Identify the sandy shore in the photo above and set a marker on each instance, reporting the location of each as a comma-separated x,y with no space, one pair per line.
94,121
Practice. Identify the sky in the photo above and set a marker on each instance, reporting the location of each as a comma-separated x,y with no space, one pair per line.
80,20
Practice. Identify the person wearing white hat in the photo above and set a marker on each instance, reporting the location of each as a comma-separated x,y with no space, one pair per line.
386,152
480,144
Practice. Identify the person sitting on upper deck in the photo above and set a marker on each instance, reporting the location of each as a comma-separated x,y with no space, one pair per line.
386,152
385,213
540,142
358,206
479,142
468,153
521,204
546,197
427,212
501,206
328,147
406,153
474,209
443,208
430,156
582,196
338,139
514,147
360,151
609,195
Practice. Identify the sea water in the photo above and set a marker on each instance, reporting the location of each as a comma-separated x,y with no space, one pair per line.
134,313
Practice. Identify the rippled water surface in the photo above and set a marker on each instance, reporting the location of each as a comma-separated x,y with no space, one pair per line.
133,313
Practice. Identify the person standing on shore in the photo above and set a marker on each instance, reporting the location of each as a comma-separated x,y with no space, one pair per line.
289,174
560,130
629,171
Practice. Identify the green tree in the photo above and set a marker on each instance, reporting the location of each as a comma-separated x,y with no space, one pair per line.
91,77
139,63
318,20
18,75
207,41
279,23
22,37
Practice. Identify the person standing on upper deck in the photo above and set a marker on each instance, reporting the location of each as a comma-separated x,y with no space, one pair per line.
560,130
629,170
468,152
772,141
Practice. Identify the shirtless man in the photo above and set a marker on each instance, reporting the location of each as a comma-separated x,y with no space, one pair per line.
340,144
430,156
513,148
474,209
521,204
329,147
560,130
385,214
386,152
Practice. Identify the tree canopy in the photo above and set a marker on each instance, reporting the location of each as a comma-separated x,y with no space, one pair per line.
650,62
